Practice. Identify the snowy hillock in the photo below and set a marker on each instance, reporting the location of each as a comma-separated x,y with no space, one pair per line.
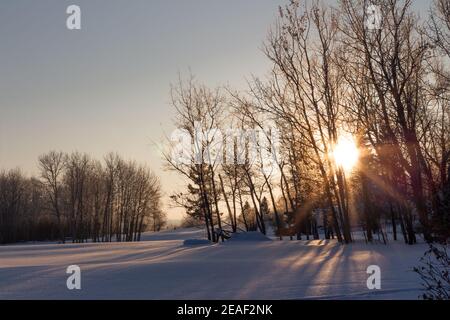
195,242
248,236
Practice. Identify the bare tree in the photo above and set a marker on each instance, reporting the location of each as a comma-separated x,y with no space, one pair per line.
51,166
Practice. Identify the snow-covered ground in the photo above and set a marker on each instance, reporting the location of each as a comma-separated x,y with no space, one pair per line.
163,267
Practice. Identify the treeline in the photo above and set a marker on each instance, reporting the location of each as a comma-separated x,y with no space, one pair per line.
77,198
388,86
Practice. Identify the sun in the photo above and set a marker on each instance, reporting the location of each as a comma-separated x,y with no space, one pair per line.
345,153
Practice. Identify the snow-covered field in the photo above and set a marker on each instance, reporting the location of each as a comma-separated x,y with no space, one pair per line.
162,267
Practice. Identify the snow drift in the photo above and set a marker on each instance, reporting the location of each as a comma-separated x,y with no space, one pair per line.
196,242
248,236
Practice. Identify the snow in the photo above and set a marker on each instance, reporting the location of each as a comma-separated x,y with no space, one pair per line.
162,267
195,242
248,236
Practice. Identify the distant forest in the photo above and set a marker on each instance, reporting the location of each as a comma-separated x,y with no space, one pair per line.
76,198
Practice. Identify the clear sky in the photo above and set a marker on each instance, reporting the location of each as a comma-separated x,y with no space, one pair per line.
106,87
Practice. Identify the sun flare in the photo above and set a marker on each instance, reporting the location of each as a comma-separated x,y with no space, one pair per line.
345,153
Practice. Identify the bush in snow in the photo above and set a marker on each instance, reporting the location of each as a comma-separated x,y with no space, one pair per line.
435,273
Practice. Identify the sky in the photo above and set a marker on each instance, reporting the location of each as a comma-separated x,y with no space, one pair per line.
106,87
